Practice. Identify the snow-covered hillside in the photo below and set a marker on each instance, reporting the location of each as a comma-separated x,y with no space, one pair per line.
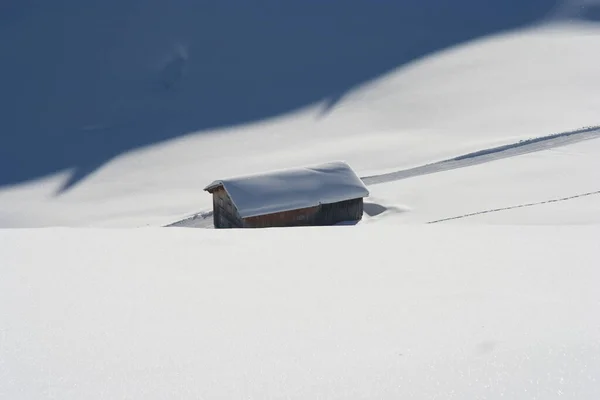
107,77
90,146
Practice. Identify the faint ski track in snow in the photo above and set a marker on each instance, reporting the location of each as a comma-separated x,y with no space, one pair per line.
488,155
204,219
517,206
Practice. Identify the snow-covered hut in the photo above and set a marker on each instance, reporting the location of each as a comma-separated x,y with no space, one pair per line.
323,194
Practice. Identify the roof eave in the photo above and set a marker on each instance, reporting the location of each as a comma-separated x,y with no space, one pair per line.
210,188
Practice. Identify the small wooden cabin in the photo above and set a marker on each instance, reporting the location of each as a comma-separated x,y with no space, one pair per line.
324,194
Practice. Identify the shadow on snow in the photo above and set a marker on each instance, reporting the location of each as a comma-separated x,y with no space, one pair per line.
83,82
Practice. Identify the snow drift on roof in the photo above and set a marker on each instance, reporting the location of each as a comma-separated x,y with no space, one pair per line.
293,188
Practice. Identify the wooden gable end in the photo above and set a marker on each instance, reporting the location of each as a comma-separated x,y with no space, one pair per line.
225,214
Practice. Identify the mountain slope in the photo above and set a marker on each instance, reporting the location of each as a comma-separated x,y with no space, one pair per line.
89,82
483,94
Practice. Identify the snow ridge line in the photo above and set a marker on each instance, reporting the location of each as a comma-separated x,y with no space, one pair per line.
486,155
517,206
201,216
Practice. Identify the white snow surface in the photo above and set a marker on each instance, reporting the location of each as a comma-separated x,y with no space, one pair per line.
537,177
415,312
292,188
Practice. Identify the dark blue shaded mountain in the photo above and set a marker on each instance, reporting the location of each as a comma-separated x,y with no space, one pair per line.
85,81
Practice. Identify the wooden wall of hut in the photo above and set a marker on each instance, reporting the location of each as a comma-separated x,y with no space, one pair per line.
225,215
334,213
301,217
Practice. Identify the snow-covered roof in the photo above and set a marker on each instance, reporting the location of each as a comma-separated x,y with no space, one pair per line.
292,189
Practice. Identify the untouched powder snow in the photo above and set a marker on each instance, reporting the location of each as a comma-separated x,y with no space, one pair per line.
417,312
292,188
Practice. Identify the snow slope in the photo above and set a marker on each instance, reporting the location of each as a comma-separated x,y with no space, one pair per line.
529,178
88,82
485,93
528,174
383,312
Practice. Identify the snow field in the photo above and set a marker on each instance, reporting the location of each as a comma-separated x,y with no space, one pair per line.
386,312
